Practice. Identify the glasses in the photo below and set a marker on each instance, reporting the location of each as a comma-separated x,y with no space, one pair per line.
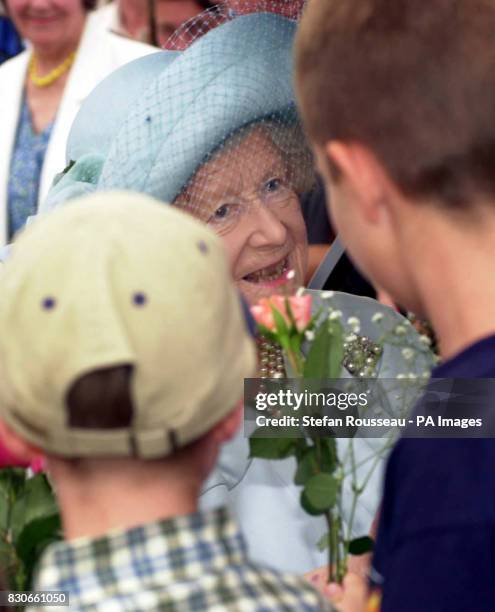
274,194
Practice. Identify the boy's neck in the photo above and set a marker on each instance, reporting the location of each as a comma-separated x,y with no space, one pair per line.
123,498
454,272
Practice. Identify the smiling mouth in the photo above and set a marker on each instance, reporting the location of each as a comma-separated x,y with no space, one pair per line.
270,274
39,17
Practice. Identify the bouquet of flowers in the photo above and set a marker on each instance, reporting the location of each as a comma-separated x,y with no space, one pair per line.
317,348
29,518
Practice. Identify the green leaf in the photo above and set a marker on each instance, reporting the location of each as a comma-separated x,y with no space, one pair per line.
280,323
267,333
325,356
271,448
295,343
290,314
34,538
12,481
36,501
329,454
336,333
307,467
324,542
300,448
308,507
320,492
361,546
5,503
8,557
316,461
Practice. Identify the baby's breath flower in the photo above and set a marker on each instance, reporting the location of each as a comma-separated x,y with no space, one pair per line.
351,338
335,315
425,340
400,330
355,324
426,375
408,353
309,335
401,376
327,295
377,317
412,376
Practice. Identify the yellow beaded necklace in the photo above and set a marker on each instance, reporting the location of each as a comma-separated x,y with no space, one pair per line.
53,75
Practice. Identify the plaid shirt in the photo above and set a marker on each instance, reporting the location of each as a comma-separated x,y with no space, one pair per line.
193,562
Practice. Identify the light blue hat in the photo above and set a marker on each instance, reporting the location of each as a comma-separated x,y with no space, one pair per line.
237,74
98,122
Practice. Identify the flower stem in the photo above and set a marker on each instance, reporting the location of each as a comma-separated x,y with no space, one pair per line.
328,518
296,362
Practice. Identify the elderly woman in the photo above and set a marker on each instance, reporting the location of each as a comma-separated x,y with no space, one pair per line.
69,52
215,132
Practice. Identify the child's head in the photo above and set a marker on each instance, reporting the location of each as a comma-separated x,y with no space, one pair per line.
122,335
398,97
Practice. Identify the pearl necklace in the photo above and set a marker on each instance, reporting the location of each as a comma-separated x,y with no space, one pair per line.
53,75
271,358
361,356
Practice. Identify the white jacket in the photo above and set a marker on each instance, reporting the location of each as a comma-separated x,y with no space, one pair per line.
100,53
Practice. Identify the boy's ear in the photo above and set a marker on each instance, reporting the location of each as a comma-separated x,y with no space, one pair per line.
23,451
363,173
228,427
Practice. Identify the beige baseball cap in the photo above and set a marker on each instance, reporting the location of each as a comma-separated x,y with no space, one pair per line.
119,279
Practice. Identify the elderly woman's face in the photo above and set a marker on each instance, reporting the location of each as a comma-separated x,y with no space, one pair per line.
245,196
48,23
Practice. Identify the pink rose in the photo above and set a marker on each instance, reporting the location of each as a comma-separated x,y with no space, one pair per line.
299,305
301,310
38,464
7,459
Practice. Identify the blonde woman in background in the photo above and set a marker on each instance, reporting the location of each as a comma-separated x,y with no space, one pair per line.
69,53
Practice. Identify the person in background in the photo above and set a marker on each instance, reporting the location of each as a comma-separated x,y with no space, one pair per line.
406,150
150,21
287,8
129,18
133,421
10,42
42,89
170,15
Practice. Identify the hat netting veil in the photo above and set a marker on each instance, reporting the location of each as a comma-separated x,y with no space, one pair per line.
217,131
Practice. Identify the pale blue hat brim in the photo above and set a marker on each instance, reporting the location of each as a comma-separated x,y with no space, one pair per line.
105,109
97,124
238,73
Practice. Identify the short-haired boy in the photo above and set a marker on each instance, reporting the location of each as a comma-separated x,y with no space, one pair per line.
123,350
398,97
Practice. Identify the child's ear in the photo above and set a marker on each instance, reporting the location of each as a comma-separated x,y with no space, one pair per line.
228,427
21,450
363,174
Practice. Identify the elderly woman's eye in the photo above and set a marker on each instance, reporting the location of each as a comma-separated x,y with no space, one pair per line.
273,185
223,213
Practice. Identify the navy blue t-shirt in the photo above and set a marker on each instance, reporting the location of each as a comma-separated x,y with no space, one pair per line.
435,549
